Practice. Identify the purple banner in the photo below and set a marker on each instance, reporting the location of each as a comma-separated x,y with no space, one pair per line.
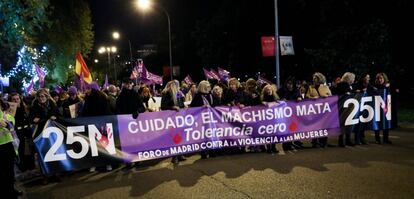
169,133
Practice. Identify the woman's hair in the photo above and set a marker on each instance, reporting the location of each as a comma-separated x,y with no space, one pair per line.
203,87
386,80
348,77
321,78
217,89
44,92
172,88
273,88
4,105
234,81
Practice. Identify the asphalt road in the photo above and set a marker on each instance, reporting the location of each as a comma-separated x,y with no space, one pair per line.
365,171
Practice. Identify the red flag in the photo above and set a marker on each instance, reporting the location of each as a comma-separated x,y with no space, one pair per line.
82,70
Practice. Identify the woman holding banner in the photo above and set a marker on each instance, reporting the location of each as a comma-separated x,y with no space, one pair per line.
363,88
173,99
22,127
344,89
316,90
382,85
203,98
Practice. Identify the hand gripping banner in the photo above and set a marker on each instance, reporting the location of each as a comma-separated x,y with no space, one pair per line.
79,143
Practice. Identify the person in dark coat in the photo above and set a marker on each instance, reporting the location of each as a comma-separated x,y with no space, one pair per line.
382,83
173,99
43,109
234,95
343,90
128,101
73,99
24,132
362,87
96,102
203,98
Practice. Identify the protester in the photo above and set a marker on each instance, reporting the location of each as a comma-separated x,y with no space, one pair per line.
43,109
203,98
24,132
73,99
96,104
382,84
343,90
173,99
190,94
7,153
128,101
363,88
316,90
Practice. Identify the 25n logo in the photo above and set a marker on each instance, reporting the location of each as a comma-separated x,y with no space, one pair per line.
105,138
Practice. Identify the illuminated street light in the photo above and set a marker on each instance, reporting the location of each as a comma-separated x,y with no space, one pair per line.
108,50
115,35
96,61
146,5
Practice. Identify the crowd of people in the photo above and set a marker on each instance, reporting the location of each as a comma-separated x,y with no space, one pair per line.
35,109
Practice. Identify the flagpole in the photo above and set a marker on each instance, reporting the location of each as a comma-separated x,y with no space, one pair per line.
277,46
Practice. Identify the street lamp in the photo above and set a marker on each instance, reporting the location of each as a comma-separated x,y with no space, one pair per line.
108,50
145,5
116,36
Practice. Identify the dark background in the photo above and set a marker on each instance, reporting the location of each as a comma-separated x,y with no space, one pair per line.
227,34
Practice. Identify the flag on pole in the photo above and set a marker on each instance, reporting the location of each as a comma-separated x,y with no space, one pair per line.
106,84
152,78
262,80
215,74
41,74
82,70
210,75
188,80
224,74
29,88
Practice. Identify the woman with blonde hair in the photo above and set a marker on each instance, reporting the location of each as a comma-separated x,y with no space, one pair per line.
382,84
316,90
343,90
173,99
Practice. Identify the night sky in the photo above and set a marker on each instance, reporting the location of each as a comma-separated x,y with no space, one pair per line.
301,19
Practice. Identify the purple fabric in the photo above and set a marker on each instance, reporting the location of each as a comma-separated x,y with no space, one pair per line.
224,74
301,120
41,74
93,86
188,80
72,90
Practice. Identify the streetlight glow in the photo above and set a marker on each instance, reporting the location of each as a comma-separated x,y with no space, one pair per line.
101,50
144,4
96,61
115,35
113,49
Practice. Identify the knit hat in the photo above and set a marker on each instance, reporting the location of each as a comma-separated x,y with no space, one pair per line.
93,86
72,90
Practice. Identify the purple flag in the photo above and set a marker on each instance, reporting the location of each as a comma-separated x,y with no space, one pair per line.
41,74
29,88
59,89
262,80
215,74
152,78
210,75
106,84
188,80
224,74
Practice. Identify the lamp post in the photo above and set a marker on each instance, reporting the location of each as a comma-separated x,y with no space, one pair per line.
145,5
277,46
108,50
116,36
